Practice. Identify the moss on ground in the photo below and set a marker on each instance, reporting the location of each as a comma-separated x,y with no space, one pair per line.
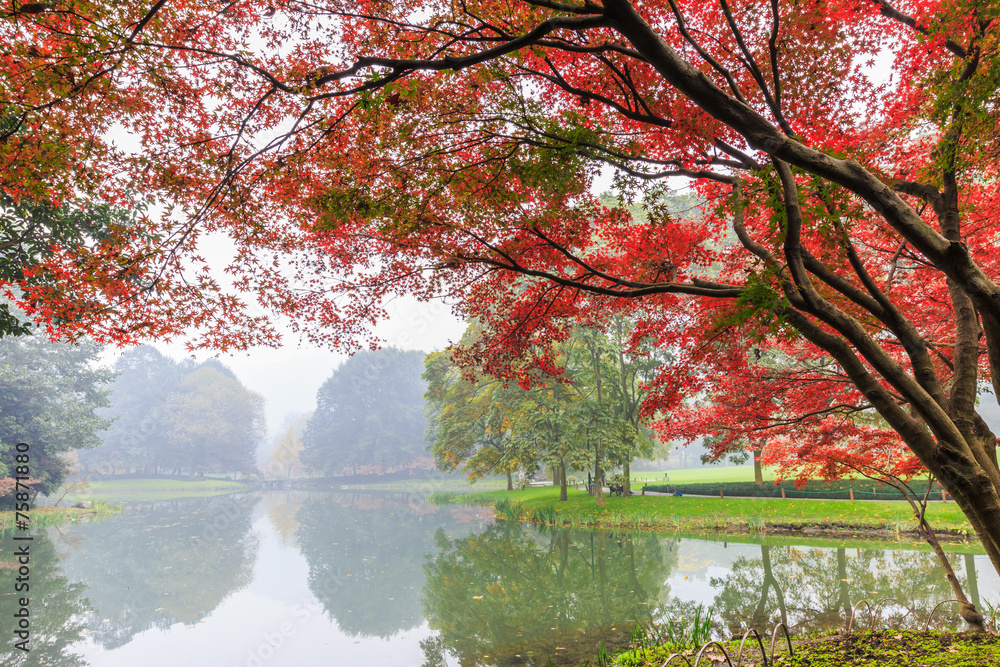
901,649
886,648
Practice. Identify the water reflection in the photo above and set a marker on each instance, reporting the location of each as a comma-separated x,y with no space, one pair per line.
386,579
57,606
160,564
366,556
818,587
517,595
514,595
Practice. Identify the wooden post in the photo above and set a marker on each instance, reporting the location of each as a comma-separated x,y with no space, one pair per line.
852,494
720,493
783,493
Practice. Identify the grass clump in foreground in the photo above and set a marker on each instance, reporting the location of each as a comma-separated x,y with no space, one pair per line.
46,515
542,505
885,648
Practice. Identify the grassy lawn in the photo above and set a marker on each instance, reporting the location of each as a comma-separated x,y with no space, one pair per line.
425,486
460,485
157,489
847,539
686,513
699,475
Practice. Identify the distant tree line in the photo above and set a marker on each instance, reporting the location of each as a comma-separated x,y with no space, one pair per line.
177,418
369,416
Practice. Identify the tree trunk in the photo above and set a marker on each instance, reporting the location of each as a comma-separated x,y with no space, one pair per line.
563,495
598,477
510,483
627,473
758,471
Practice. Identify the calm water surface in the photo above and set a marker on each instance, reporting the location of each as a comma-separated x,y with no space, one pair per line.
290,579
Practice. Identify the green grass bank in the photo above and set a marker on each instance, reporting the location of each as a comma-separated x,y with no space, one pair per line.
669,513
46,515
130,490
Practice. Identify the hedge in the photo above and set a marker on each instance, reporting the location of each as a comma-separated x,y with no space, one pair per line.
817,489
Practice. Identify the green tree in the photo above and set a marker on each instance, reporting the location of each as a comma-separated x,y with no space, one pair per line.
612,381
177,416
369,414
138,406
50,394
213,423
582,410
471,422
547,423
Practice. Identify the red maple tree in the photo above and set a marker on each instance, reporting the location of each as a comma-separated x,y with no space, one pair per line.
842,155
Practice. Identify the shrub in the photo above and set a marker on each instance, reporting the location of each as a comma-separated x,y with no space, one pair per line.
815,488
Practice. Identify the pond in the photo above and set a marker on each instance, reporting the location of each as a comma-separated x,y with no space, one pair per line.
344,578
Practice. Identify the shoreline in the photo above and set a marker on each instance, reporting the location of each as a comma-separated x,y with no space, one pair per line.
792,517
48,515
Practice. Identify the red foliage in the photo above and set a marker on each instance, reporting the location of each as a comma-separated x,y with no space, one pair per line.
829,287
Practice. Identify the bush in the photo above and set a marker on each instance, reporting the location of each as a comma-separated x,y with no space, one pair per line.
816,489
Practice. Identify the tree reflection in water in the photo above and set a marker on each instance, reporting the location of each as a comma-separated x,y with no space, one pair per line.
493,594
160,564
515,595
57,606
816,588
366,553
